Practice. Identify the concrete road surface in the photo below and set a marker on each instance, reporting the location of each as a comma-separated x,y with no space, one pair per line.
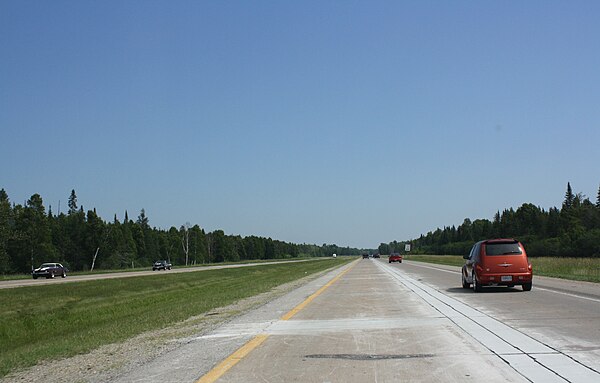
377,322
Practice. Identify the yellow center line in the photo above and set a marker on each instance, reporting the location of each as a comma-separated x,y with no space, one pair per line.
296,309
232,359
220,369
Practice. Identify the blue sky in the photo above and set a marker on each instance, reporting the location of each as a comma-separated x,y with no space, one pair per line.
346,122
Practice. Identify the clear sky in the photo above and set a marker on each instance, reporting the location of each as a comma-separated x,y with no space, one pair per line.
346,122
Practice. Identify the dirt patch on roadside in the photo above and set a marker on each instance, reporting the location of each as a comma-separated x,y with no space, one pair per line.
110,361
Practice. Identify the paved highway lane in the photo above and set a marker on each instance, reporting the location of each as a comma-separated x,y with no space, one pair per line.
402,322
565,315
367,327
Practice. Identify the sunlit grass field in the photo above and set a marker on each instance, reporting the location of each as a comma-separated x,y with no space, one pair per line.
54,321
580,269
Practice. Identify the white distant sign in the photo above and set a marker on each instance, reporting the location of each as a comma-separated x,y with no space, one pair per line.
407,247
334,255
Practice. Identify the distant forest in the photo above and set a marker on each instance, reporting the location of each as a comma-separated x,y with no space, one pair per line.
571,231
31,235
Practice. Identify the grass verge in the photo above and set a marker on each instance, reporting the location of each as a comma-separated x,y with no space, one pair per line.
55,321
9,277
579,269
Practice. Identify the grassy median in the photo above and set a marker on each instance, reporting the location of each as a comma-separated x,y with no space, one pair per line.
579,269
55,321
9,277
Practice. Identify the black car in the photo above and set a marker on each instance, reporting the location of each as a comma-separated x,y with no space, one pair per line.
161,265
49,270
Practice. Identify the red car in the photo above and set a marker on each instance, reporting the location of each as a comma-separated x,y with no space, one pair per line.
395,257
497,262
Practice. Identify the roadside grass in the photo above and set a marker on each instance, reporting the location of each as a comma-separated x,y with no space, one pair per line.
579,269
9,277
56,321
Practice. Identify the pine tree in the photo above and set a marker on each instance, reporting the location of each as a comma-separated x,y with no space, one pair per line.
72,202
37,230
598,198
143,220
5,231
569,197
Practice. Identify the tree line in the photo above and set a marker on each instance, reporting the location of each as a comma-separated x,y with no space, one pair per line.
570,231
31,235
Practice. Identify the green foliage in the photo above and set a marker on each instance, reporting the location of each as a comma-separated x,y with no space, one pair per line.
573,231
72,202
384,249
29,236
569,197
6,232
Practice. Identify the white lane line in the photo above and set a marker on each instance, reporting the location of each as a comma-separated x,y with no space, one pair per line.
529,357
568,294
417,264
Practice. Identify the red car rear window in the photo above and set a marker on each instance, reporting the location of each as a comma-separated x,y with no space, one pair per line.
503,248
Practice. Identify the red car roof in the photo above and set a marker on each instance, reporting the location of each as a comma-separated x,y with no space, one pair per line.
501,240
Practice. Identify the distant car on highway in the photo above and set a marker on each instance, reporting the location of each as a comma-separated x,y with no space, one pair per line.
395,257
376,255
497,262
365,256
161,265
49,270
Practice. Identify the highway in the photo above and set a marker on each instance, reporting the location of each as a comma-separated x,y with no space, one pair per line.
372,321
128,274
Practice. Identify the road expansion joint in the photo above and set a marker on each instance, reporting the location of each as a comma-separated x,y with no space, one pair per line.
512,346
220,369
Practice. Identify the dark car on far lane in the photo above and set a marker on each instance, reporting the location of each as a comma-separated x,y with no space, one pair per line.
49,270
161,265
